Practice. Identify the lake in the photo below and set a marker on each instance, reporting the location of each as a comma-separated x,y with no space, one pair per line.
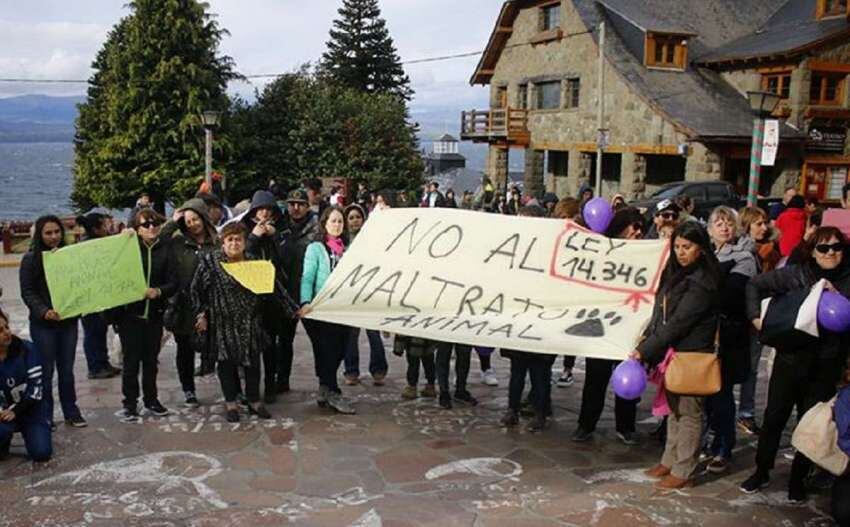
35,179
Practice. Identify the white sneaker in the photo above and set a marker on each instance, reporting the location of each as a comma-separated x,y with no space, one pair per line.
489,378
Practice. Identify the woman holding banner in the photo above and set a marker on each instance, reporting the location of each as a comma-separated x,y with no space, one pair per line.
684,318
55,338
803,373
232,314
329,339
140,324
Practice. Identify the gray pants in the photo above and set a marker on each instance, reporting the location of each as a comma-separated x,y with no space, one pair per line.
684,428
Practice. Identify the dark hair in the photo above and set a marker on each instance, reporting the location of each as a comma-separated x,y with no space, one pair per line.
816,218
322,231
234,228
821,235
37,243
624,218
566,209
313,183
694,233
533,211
353,206
684,202
844,190
91,222
797,202
143,215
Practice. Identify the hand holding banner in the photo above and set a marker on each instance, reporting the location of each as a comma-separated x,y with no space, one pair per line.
95,275
490,280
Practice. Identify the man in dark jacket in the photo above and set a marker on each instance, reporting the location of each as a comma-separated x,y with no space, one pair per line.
298,230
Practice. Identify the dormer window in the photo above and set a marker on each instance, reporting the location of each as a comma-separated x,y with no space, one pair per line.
828,8
550,17
666,51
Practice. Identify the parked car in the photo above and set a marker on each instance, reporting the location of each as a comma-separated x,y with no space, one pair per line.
706,196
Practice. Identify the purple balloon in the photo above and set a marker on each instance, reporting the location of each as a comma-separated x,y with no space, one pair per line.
598,214
834,312
629,379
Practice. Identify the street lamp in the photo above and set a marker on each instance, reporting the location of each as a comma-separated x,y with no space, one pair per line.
210,119
762,104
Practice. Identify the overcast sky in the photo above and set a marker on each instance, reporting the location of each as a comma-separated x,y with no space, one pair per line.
59,39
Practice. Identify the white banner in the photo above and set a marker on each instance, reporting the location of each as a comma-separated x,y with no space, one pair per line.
771,142
530,284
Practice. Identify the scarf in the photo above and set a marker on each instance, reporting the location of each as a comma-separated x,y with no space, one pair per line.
334,244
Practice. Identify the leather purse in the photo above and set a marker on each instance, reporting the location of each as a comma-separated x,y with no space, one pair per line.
693,373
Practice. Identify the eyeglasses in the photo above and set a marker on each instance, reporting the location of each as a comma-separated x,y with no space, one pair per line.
824,248
149,224
669,215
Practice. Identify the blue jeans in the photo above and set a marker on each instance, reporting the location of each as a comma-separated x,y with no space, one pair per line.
35,427
94,342
720,414
747,404
58,347
377,354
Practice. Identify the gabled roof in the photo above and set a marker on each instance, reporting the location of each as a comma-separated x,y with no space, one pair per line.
698,101
498,38
447,138
792,30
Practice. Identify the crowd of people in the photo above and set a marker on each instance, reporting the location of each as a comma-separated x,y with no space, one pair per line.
709,300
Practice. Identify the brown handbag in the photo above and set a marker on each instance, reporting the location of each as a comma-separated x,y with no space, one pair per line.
694,373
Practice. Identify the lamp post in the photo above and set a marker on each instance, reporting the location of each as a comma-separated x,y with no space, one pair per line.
209,118
762,104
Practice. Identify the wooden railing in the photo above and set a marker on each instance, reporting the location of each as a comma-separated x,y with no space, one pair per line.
506,124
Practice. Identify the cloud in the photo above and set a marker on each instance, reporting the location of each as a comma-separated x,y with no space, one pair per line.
45,39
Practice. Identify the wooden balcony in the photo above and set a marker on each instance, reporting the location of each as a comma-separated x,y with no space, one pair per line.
507,126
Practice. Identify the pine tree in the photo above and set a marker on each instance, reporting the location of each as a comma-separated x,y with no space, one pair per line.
139,128
361,54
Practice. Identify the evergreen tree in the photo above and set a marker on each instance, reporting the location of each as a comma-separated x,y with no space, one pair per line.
361,54
139,128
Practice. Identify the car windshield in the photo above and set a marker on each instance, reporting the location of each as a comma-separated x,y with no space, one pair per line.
668,192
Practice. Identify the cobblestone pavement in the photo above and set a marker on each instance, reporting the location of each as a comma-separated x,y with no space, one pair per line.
395,463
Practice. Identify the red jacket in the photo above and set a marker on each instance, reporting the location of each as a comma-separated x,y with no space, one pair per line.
792,225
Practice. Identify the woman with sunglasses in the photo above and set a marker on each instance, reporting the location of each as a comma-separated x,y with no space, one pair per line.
802,375
355,215
140,323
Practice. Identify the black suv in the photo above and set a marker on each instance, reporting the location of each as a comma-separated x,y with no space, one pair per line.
706,196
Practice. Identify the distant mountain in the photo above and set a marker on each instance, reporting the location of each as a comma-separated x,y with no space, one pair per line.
38,119
40,109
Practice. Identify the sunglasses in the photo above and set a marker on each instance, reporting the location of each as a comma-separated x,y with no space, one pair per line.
149,224
670,215
637,226
824,248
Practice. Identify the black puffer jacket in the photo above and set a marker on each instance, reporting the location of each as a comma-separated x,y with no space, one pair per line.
186,255
734,326
158,270
690,323
793,278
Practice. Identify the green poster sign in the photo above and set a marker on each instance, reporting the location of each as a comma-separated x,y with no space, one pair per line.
95,275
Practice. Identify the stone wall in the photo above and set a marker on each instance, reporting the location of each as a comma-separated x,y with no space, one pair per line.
630,120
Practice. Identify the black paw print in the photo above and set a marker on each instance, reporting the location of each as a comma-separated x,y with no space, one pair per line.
591,324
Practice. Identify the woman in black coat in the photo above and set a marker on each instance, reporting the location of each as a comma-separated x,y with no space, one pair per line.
140,323
803,374
685,318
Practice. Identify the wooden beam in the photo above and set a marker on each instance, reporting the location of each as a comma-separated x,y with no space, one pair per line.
645,149
834,67
505,29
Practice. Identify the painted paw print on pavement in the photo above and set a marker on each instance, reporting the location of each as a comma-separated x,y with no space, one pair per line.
590,324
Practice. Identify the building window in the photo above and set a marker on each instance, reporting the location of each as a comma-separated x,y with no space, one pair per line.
827,89
501,97
832,8
666,51
522,96
778,83
550,17
572,95
548,95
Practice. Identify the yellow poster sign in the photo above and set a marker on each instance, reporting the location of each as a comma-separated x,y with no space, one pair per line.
256,276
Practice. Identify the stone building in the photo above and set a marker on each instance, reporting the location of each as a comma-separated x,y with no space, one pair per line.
676,76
